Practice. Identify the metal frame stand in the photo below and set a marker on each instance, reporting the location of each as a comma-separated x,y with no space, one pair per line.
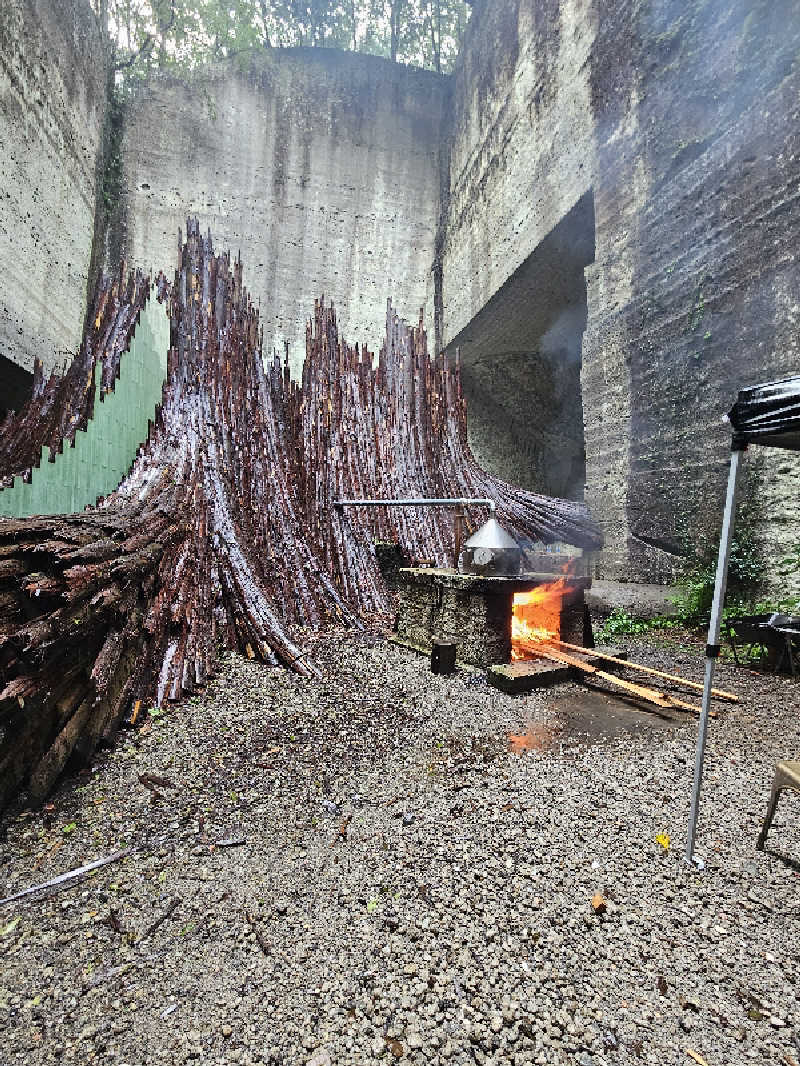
712,647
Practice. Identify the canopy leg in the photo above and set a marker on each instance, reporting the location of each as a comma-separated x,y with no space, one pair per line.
712,647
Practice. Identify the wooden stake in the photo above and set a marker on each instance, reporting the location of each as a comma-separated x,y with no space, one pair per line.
660,699
649,670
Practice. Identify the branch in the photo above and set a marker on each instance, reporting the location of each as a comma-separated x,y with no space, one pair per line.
146,47
147,44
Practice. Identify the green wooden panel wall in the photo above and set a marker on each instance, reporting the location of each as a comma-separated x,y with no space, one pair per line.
102,454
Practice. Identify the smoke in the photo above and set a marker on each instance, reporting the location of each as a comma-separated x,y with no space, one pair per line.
563,339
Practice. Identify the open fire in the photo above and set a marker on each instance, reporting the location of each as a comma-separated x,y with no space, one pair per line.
536,616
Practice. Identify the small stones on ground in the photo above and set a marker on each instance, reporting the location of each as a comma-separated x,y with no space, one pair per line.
320,1058
410,891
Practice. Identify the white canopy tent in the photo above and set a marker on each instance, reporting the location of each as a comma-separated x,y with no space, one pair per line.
767,415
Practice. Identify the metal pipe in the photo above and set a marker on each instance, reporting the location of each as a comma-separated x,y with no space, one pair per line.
712,647
417,503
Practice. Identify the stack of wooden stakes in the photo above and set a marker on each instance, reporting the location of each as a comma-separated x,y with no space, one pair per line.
576,658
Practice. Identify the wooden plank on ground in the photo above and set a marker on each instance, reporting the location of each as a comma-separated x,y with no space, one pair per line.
720,693
660,699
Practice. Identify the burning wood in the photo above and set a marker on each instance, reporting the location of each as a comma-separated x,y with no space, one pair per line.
626,663
536,616
224,531
651,695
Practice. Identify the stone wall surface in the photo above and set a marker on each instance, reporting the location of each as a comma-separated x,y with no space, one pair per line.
53,82
682,121
321,167
630,167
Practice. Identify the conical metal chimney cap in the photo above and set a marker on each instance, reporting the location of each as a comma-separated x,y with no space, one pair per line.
491,551
491,535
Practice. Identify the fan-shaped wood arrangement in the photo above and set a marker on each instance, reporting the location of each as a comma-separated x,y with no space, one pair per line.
224,531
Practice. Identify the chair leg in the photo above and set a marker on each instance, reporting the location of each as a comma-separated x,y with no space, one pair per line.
773,803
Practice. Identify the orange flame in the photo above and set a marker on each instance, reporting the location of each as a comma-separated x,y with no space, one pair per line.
536,616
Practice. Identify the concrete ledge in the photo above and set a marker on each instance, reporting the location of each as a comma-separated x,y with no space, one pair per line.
519,678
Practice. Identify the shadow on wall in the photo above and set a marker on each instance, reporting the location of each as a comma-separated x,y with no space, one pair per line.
521,365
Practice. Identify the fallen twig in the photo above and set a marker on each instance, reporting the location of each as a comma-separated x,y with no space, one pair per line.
65,880
265,948
160,920
342,831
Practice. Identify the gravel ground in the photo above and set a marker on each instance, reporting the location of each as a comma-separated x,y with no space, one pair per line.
359,870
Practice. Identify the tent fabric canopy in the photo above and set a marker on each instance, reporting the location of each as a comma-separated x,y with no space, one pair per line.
768,414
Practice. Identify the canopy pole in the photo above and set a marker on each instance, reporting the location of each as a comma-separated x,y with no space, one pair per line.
713,647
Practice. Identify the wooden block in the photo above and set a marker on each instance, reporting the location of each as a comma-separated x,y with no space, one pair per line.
443,657
519,678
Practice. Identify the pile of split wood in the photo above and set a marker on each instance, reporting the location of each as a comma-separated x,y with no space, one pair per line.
63,402
224,531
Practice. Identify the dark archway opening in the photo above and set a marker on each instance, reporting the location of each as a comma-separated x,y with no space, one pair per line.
521,364
15,386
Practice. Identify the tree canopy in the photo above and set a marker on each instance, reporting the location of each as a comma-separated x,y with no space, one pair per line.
182,35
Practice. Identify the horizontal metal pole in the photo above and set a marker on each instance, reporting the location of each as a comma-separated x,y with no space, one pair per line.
417,503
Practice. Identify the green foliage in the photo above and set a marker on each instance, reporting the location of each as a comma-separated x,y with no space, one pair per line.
180,36
789,568
744,595
746,575
622,623
111,182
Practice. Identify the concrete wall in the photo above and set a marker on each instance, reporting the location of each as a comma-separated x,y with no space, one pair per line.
521,364
53,71
682,120
321,167
668,129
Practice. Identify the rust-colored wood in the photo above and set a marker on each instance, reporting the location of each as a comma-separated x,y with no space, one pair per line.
652,695
224,532
720,693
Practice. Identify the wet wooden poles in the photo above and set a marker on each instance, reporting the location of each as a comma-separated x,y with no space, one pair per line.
224,533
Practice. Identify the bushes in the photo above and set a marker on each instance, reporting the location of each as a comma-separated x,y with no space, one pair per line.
746,592
621,623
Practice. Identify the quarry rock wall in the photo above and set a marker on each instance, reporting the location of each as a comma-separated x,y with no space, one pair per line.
53,92
627,168
321,167
682,121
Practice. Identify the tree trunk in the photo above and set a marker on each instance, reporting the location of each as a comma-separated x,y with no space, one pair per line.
395,14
